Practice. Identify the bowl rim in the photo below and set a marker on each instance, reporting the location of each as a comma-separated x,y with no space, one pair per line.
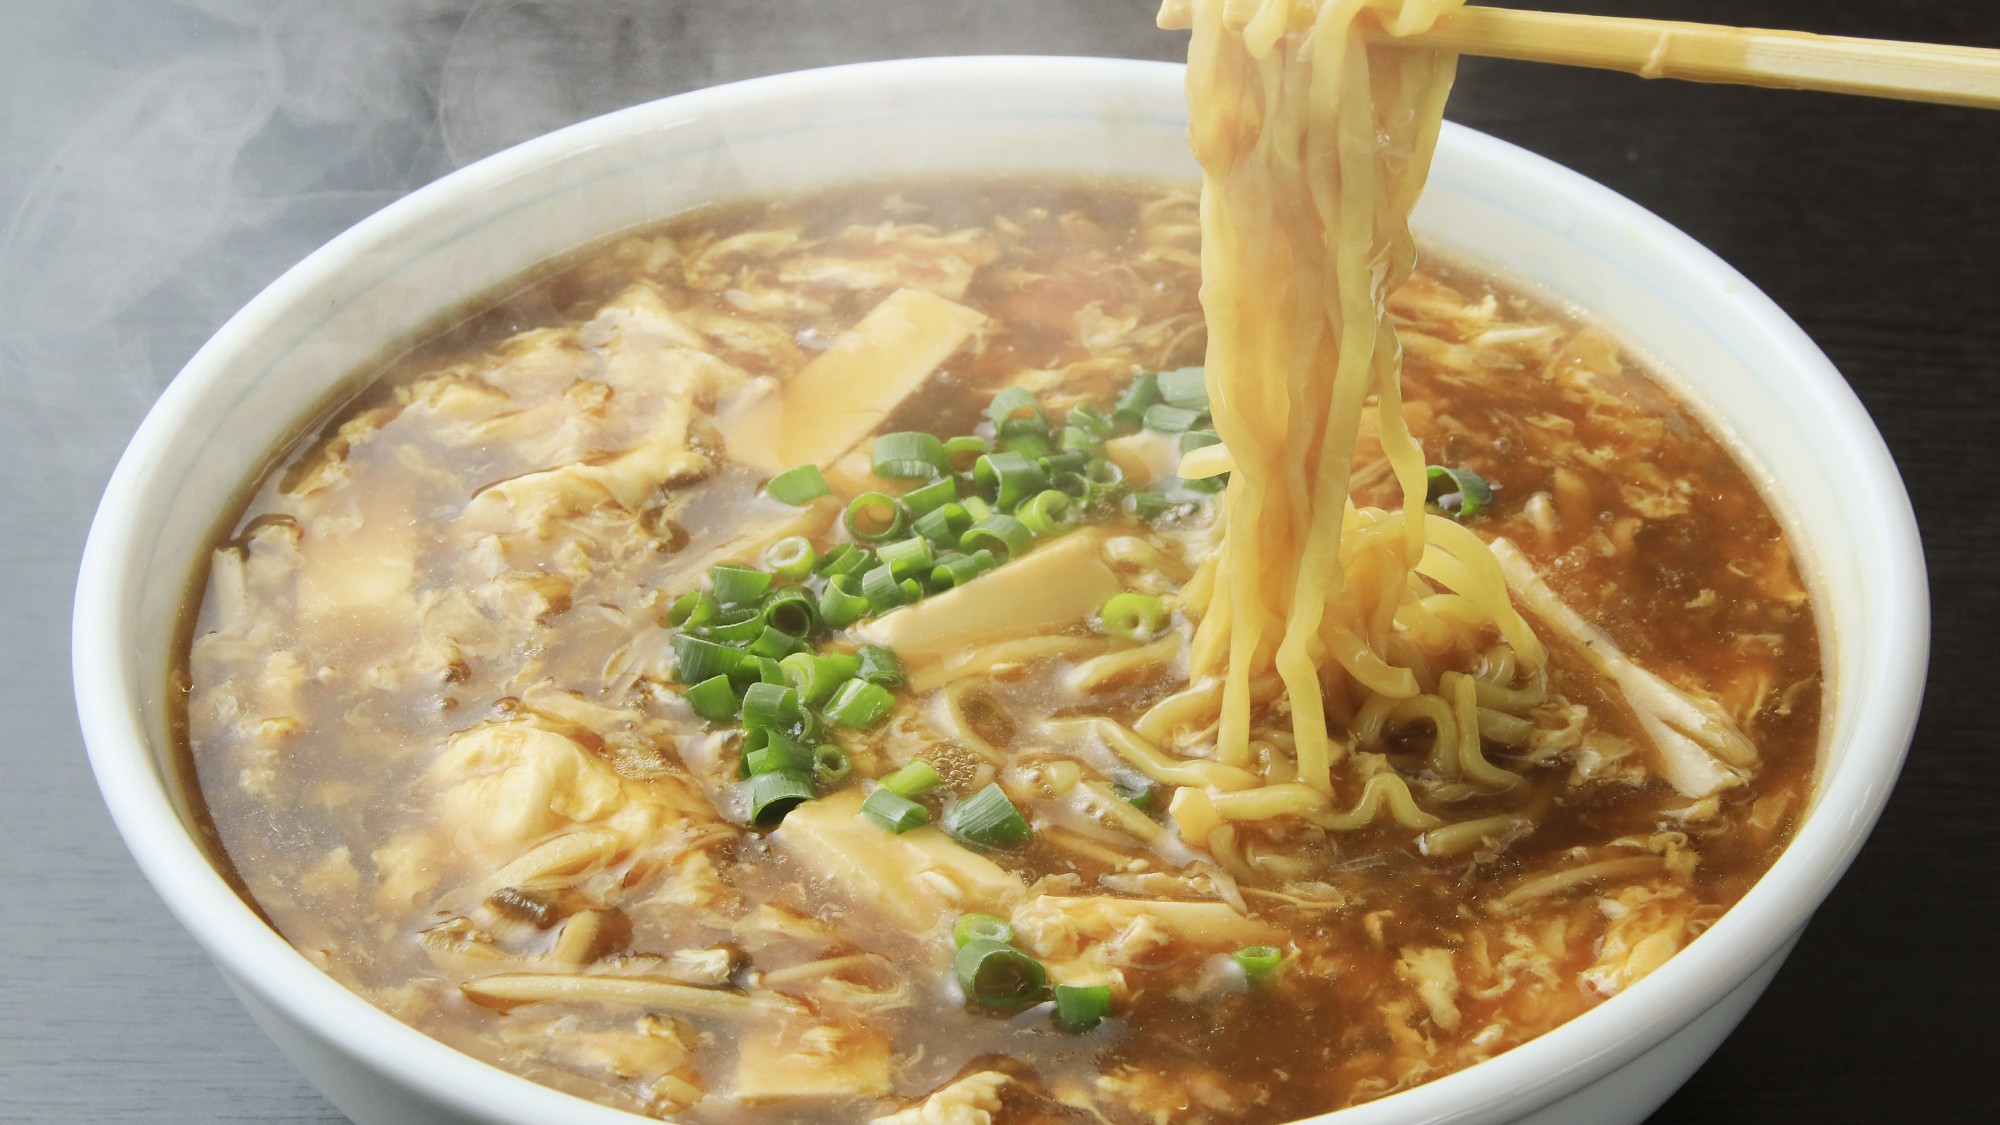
254,957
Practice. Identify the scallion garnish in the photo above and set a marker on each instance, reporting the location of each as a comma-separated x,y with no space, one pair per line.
1133,616
791,557
980,927
997,533
771,707
961,452
879,666
957,569
1142,392
1080,1007
1148,505
772,795
773,643
897,814
692,610
781,753
1015,404
988,819
884,590
1185,387
698,659
1089,419
1044,513
1258,962
906,557
1165,418
830,763
909,454
942,525
913,780
875,516
1458,493
842,603
714,699
859,704
996,975
930,497
791,610
798,486
844,559
737,625
738,585
1007,478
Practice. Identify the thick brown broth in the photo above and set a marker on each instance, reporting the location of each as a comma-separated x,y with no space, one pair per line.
399,690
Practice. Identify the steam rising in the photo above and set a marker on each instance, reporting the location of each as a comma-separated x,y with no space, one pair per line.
212,143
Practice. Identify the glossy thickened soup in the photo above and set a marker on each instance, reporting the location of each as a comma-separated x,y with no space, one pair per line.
545,700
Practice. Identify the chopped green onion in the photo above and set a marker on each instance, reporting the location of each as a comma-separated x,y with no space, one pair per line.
842,604
996,975
944,524
791,610
988,819
859,704
831,763
977,509
1458,493
1003,532
1025,439
884,590
961,452
930,497
738,626
906,557
1066,462
791,557
844,559
1080,1007
774,643
781,753
772,795
798,486
957,569
814,677
1196,439
1148,505
879,666
980,927
714,699
1007,478
897,814
770,707
875,516
738,585
1143,391
1164,419
1186,388
1089,419
1076,439
699,659
909,454
692,610
1133,616
1045,513
1258,962
915,779
769,671
1015,404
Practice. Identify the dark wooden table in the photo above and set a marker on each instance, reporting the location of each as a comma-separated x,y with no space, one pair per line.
164,160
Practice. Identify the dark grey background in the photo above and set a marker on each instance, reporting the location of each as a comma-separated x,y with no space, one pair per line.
161,161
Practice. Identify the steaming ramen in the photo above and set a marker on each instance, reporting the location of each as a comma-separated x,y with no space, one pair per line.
480,677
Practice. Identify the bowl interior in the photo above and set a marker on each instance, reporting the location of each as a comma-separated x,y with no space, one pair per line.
300,344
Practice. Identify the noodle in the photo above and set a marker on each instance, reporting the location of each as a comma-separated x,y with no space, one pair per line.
1314,144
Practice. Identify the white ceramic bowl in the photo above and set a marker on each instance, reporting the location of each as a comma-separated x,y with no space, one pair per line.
298,346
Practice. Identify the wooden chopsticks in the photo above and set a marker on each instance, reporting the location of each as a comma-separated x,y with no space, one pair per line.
1699,52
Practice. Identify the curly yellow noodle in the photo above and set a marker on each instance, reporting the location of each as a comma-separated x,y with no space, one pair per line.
1098,671
1382,790
1193,705
1472,761
1151,761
